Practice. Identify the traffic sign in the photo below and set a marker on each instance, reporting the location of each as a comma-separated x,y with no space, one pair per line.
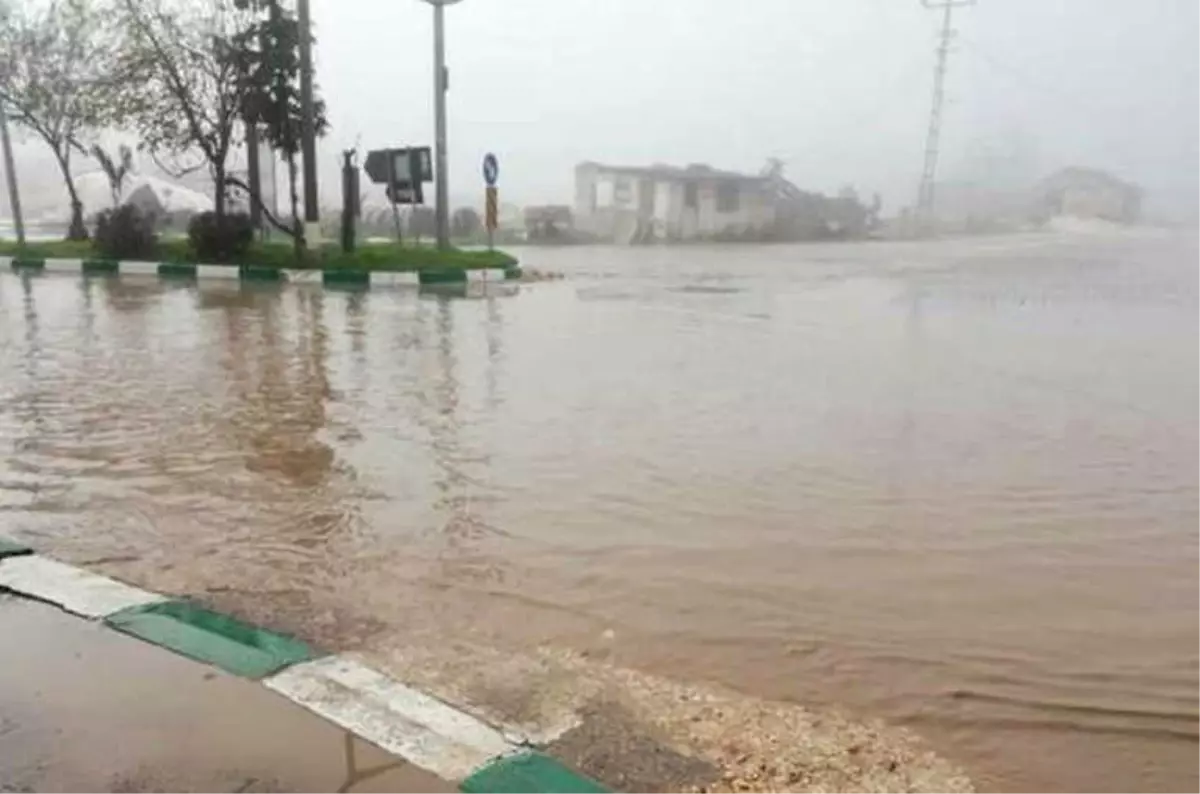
407,162
491,169
405,194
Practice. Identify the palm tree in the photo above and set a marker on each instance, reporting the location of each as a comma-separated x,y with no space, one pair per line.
117,170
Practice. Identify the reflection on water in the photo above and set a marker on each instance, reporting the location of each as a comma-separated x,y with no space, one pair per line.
954,485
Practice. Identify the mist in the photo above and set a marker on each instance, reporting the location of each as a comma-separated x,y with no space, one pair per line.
840,91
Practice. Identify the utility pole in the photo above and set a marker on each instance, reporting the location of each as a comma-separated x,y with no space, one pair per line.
10,173
440,81
308,130
929,168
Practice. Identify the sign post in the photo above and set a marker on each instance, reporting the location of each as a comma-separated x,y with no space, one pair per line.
491,173
402,171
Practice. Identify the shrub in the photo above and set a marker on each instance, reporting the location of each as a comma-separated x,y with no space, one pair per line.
125,232
223,241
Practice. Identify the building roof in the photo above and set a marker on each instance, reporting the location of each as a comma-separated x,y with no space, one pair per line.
693,172
1086,177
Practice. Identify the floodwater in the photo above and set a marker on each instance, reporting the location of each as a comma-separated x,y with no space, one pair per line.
953,484
83,708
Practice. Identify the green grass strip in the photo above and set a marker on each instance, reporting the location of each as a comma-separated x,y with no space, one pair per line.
11,548
177,270
28,263
527,772
388,257
100,267
207,636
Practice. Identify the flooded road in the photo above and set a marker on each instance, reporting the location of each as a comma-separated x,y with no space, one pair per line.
953,485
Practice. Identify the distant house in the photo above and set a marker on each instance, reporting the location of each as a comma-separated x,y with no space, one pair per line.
549,222
1089,193
660,202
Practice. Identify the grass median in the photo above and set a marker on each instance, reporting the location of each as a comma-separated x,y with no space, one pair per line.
387,257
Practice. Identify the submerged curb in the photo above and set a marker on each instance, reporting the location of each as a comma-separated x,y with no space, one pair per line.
342,277
404,721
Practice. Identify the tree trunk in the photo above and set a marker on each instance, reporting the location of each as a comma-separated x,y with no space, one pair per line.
219,194
77,230
254,179
298,237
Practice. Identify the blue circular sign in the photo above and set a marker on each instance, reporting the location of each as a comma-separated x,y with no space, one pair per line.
491,169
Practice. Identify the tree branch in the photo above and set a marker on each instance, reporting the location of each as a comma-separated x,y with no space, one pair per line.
175,173
235,182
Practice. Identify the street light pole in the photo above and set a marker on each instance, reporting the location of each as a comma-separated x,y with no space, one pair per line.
441,178
10,173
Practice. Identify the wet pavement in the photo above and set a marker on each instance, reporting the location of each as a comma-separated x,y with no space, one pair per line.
84,708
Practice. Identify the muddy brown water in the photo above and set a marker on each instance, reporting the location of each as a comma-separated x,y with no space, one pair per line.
83,708
953,485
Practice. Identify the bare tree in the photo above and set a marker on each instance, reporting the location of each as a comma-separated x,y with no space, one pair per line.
55,73
202,67
189,91
115,169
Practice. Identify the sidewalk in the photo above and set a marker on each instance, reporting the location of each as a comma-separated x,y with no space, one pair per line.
86,708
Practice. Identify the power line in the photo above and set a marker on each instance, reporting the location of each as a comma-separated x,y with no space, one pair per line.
933,135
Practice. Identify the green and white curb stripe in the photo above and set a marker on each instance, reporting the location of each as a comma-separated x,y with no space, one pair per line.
73,589
406,722
337,276
399,719
10,548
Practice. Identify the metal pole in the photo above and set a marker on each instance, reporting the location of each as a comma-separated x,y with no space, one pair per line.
308,132
439,110
10,173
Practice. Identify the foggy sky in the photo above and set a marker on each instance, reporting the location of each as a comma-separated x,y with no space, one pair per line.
838,89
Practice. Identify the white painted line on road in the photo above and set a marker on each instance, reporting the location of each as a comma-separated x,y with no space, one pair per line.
421,729
73,589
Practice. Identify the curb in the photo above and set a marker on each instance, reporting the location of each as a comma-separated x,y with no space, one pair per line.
406,722
341,277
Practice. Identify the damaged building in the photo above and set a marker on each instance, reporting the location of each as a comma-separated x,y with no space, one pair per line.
662,203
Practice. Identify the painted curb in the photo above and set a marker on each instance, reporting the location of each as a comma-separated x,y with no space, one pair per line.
528,772
73,589
100,267
406,722
401,720
340,277
27,263
10,548
206,636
